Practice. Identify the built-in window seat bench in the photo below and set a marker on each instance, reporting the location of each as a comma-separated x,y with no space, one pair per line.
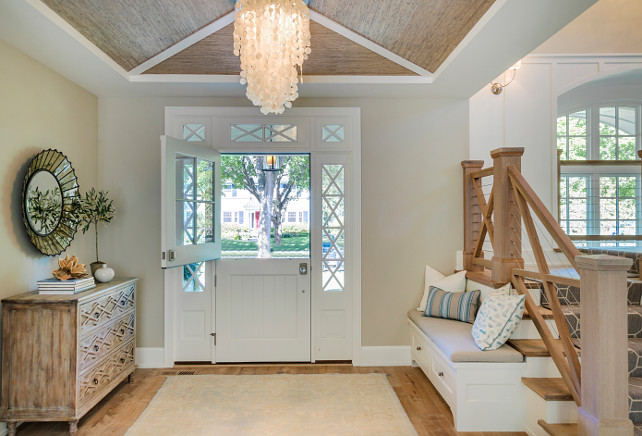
483,388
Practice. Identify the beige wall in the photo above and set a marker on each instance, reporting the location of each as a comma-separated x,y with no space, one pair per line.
39,109
411,198
609,26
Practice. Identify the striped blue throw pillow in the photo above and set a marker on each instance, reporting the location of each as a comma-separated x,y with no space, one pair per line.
461,306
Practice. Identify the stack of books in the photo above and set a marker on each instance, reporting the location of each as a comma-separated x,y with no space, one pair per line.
55,286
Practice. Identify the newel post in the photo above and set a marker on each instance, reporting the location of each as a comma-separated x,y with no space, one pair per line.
507,249
605,376
472,214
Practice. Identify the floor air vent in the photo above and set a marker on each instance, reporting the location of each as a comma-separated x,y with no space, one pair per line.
186,372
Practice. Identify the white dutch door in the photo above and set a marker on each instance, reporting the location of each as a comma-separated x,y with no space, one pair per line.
263,284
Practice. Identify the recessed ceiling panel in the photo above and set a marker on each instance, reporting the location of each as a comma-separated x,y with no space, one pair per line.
332,54
424,32
131,32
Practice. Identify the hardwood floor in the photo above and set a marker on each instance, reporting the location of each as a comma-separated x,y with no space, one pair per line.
119,410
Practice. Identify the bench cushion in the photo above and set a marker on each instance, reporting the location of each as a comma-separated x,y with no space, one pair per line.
455,340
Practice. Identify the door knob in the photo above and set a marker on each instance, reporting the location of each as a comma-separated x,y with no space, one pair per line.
303,268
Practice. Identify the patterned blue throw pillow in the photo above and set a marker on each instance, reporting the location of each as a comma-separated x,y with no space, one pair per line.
498,318
460,306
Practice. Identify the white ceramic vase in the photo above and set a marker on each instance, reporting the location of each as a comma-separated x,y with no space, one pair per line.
104,273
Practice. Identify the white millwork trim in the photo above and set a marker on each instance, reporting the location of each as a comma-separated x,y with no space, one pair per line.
229,78
490,13
355,37
181,45
151,358
385,356
58,21
3,429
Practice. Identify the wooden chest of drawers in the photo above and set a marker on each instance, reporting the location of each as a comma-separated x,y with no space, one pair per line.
61,354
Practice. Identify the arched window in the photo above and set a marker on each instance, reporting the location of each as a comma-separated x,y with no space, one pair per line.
600,172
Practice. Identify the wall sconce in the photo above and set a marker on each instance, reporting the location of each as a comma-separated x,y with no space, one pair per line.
271,163
497,88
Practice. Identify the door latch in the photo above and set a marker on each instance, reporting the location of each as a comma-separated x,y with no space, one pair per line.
303,269
171,254
214,336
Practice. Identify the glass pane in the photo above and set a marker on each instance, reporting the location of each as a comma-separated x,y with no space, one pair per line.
607,121
626,148
279,133
246,132
608,148
608,208
563,209
205,223
564,225
627,186
608,227
627,228
626,209
607,187
577,228
184,222
332,224
561,145
194,277
332,275
561,126
577,187
577,209
577,124
205,180
626,121
332,133
184,177
243,228
563,186
194,132
577,148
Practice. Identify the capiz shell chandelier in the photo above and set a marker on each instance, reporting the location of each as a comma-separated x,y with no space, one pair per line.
272,37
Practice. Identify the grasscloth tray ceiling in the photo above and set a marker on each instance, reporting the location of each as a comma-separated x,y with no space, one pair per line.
131,32
332,54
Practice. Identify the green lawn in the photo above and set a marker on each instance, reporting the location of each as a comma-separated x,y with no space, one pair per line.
289,246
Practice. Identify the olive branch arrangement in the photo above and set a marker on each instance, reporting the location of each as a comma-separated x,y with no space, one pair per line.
95,208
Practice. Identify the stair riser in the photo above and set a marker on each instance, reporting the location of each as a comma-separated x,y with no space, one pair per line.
551,411
634,324
570,295
527,329
541,367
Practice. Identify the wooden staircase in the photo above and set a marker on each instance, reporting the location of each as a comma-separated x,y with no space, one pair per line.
503,216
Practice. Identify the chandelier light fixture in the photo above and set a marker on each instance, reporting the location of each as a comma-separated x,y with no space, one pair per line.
272,37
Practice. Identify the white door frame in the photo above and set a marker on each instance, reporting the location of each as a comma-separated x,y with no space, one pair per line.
175,116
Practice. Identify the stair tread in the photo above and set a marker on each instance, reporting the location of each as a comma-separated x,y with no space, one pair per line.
567,429
545,312
549,388
536,347
530,347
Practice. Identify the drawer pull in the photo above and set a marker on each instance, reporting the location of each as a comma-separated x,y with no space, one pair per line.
418,348
95,381
440,373
95,347
122,302
122,360
96,314
122,331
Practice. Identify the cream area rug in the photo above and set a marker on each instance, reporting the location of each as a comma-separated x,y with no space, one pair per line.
238,405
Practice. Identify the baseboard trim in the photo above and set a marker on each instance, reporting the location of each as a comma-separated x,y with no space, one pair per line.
3,429
370,356
385,356
150,357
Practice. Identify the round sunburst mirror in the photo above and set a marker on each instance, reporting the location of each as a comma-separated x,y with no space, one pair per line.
50,198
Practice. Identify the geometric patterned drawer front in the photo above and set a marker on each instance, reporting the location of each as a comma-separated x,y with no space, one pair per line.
92,382
107,308
94,347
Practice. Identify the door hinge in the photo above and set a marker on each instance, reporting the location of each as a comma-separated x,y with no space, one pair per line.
214,336
162,255
215,279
